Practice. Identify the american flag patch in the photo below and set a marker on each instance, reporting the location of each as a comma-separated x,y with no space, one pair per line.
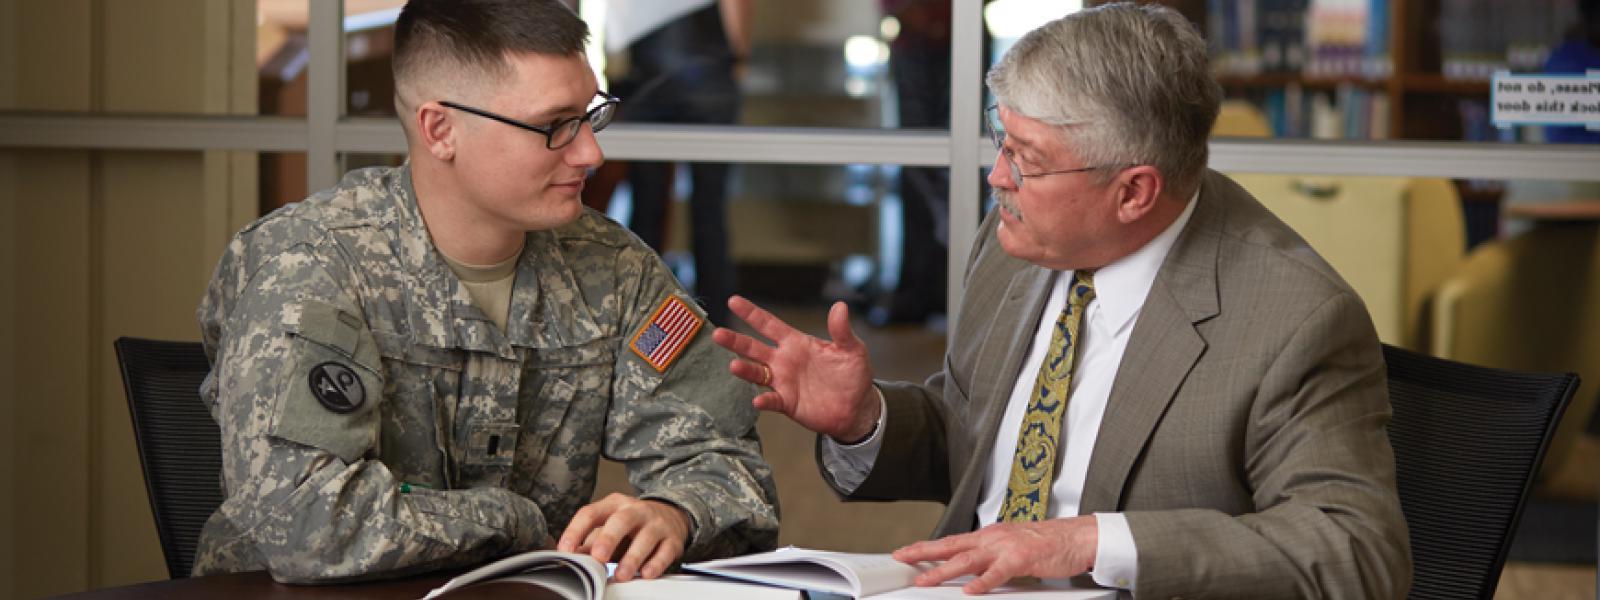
661,340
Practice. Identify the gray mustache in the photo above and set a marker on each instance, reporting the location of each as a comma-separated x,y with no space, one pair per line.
1007,202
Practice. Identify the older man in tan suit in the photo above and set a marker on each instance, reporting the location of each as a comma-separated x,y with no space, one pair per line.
1152,378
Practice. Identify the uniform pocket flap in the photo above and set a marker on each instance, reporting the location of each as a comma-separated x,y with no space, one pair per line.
329,399
338,330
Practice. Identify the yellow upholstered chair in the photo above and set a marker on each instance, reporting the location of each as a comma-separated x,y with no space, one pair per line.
1531,302
1436,242
1392,238
1239,118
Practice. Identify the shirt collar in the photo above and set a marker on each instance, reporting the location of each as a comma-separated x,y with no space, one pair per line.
1121,287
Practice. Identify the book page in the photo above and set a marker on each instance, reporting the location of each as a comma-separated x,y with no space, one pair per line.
564,582
587,574
697,587
835,572
1045,590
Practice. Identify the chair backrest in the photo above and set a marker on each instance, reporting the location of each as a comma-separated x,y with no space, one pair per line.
180,446
1238,118
1467,443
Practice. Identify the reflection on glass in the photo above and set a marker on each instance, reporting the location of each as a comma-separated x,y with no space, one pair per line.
1343,69
1578,54
798,233
368,49
781,63
1008,20
793,63
282,57
281,179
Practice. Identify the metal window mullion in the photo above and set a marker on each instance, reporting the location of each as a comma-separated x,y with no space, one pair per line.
791,145
795,145
1452,160
966,98
100,132
1408,159
324,92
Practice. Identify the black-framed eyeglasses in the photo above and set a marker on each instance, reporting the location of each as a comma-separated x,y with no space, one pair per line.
997,133
560,132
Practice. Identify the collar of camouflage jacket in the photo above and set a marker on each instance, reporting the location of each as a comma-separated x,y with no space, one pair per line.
547,310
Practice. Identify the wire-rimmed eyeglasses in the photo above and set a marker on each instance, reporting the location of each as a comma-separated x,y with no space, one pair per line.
997,133
560,132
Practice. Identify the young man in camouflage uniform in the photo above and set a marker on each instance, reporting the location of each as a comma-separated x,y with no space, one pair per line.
421,367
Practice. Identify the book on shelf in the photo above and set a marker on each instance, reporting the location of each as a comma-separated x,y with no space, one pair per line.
1480,37
1330,39
571,576
824,574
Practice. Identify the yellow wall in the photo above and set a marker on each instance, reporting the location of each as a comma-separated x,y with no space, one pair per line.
53,328
100,245
8,303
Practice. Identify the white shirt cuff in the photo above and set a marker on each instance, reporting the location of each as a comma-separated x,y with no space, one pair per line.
1116,562
850,464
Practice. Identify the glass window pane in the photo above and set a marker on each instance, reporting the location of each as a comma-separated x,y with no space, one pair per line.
281,179
836,64
282,56
831,64
874,235
1327,69
1358,70
190,57
368,50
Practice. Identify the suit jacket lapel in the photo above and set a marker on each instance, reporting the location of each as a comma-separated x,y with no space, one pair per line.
1163,349
998,365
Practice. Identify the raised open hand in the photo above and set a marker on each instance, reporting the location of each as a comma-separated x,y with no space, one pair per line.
824,386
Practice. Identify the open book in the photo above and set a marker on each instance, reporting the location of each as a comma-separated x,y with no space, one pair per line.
571,576
868,576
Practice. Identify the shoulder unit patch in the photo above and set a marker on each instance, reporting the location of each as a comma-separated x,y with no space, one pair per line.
662,339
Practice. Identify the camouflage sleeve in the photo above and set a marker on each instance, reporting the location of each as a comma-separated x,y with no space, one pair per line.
297,389
687,433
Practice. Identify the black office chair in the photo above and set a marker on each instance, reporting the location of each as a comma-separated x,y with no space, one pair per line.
1467,443
180,446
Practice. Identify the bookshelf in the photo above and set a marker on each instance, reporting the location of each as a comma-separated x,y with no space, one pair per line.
1376,69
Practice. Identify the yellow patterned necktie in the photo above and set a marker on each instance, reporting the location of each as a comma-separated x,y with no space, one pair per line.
1033,466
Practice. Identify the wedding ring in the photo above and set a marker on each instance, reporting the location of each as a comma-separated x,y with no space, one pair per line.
766,376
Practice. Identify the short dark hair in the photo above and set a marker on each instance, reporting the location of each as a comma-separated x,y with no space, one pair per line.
479,33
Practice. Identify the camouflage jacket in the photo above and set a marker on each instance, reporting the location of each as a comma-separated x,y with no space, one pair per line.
376,423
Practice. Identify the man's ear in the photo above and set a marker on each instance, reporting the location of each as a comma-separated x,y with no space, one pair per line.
436,130
1138,189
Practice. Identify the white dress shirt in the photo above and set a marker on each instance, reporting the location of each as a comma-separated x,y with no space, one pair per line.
1120,291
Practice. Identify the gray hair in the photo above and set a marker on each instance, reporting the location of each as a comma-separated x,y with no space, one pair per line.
1124,83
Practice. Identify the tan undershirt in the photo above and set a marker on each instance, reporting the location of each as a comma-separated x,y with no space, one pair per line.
488,285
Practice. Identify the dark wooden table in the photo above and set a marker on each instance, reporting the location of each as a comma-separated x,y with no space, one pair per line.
1565,210
259,585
